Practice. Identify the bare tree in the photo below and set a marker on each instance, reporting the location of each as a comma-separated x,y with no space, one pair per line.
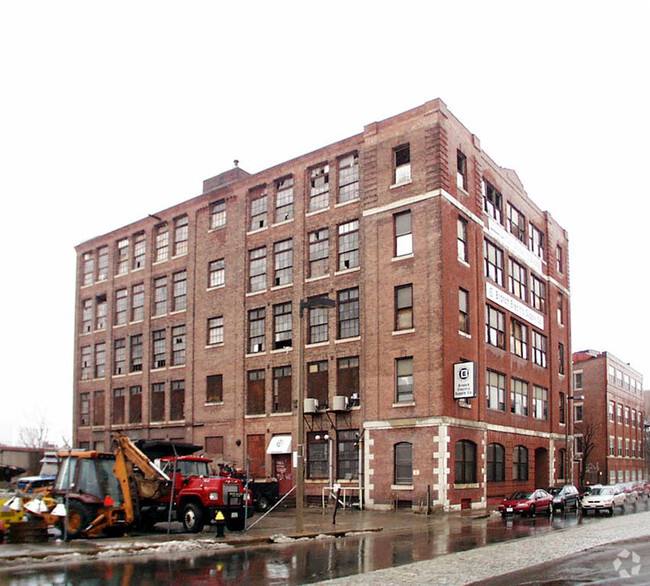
36,434
589,433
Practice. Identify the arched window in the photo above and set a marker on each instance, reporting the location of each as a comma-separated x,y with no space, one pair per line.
465,462
496,463
520,463
403,463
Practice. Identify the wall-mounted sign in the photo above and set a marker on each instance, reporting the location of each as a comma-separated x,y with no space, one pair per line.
464,380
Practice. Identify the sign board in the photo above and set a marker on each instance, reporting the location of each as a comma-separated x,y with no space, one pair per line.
464,380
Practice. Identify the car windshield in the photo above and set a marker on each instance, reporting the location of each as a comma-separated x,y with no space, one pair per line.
554,490
522,494
601,491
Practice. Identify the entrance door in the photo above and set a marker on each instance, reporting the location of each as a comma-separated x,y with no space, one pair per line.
256,455
283,472
542,479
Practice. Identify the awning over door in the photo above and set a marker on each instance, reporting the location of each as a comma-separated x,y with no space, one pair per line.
279,444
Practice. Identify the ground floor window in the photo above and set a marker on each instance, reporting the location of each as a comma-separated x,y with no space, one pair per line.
347,455
520,463
496,463
465,462
403,463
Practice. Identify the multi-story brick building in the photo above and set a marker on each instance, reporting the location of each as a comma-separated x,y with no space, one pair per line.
609,418
188,321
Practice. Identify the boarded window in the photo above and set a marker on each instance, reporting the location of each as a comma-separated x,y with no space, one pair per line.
255,393
214,388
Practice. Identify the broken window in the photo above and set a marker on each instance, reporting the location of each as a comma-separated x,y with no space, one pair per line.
349,245
349,178
319,253
492,201
259,208
284,199
320,188
402,164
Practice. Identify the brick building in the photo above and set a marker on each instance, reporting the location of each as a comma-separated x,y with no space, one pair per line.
439,378
609,418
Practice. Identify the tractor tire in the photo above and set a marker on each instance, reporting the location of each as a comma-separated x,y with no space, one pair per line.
79,517
193,520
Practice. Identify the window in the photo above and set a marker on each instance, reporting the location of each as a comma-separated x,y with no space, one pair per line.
86,363
619,443
517,280
282,389
560,308
100,360
402,164
177,401
492,201
559,255
217,273
317,455
404,307
179,291
518,338
160,296
403,234
102,312
540,402
493,263
465,462
119,406
610,411
627,416
135,404
256,329
518,397
102,263
99,408
282,325
283,262
320,188
181,235
579,413
139,250
347,456
214,388
561,358
496,463
349,178
349,245
257,270
318,382
122,256
463,311
347,377
404,380
561,459
84,409
318,330
461,239
215,330
119,356
612,446
627,447
159,348
517,224
495,327
461,170
536,239
403,456
87,315
121,306
137,302
88,268
284,199
136,353
495,390
538,294
158,402
162,243
562,406
540,349
520,463
259,208
255,393
178,345
319,252
348,313
218,214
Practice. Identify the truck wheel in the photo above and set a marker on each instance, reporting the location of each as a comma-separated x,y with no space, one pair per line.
263,504
193,518
79,517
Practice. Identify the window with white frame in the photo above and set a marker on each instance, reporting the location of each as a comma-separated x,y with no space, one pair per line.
121,306
162,243
283,261
461,239
181,235
348,178
495,327
536,240
495,390
494,263
215,330
257,269
517,224
319,193
318,330
348,245
179,291
518,397
284,199
540,402
139,250
538,294
319,253
160,296
88,268
218,214
137,302
461,170
402,164
404,380
517,279
518,338
122,256
348,313
403,234
216,273
102,263
492,201
540,349
259,208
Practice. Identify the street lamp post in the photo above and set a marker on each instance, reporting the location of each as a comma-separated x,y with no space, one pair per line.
310,303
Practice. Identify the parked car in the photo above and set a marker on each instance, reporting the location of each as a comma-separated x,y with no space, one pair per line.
604,498
631,493
527,502
585,490
565,497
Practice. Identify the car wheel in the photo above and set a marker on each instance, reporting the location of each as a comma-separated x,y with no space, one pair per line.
193,518
611,511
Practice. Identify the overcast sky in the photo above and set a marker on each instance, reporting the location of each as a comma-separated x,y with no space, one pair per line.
111,111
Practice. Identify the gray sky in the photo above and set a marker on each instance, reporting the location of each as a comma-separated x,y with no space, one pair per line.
111,111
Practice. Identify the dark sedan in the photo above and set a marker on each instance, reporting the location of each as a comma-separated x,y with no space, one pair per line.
565,497
527,502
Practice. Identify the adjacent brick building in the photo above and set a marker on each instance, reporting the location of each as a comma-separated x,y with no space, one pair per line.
188,321
609,418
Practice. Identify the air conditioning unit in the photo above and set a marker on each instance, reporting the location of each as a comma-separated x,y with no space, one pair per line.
339,403
311,405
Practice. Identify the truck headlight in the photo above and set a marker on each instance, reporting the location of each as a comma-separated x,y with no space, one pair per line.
214,496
